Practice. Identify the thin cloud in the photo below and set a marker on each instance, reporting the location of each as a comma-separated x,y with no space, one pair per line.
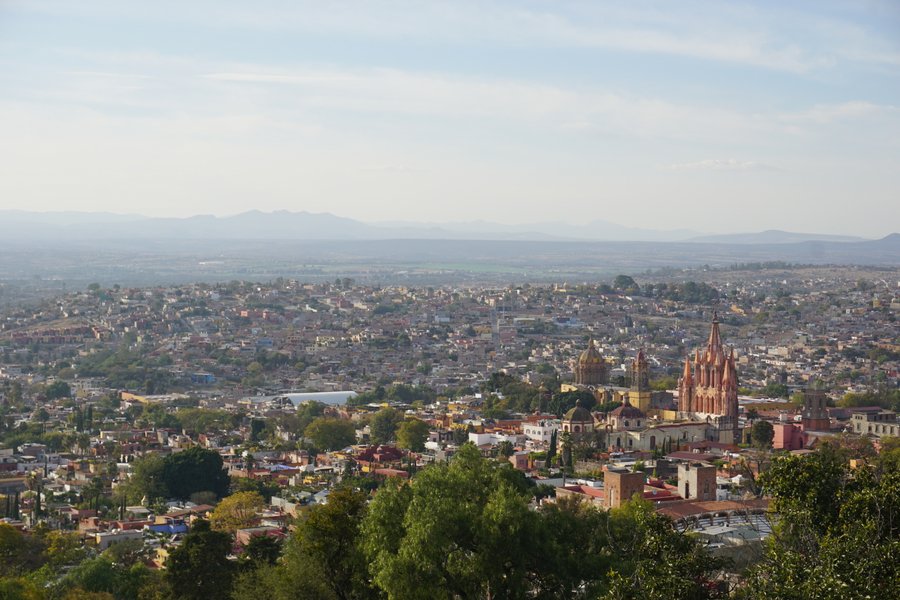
736,34
722,164
828,113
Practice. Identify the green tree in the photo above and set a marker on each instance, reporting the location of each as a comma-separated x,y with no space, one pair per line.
57,389
19,588
761,435
457,530
465,530
237,511
64,548
195,470
262,550
837,534
412,434
103,575
147,480
321,561
662,384
199,569
552,450
889,456
565,401
327,544
384,425
331,434
626,284
202,420
565,459
752,415
306,414
263,487
656,561
19,554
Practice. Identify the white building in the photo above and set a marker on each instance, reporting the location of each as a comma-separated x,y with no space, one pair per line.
541,431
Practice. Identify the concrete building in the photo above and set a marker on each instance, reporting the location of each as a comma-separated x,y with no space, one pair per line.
620,485
875,422
697,481
541,431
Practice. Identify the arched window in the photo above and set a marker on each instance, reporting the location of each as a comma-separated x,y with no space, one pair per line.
577,428
653,442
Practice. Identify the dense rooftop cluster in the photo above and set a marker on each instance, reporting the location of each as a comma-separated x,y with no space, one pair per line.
136,416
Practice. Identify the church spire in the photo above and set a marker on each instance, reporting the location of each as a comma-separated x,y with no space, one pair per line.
715,342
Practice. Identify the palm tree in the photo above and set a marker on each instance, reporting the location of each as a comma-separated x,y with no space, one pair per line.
94,490
752,415
84,442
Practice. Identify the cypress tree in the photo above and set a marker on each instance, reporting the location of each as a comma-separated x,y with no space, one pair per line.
552,451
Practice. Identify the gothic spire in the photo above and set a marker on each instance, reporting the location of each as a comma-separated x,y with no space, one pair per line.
715,342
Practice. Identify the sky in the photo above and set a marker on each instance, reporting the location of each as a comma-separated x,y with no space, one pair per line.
711,116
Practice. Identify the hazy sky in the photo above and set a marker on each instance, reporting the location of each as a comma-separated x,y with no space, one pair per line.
712,116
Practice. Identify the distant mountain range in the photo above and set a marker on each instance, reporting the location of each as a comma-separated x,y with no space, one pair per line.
77,248
774,236
285,225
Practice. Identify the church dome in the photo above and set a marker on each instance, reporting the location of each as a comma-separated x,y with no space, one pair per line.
627,411
578,414
591,368
590,356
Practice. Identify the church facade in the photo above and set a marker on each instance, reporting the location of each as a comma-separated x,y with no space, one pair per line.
708,388
707,406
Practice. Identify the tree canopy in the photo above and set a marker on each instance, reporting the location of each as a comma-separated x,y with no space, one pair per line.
761,435
237,512
465,530
195,470
837,534
199,569
331,434
178,475
412,434
384,425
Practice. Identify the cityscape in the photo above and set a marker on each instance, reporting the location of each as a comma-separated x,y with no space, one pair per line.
683,390
391,300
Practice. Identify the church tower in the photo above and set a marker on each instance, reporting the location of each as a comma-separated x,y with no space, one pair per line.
815,415
639,394
708,386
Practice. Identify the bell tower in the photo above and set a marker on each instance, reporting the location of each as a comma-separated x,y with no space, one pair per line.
815,415
639,395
